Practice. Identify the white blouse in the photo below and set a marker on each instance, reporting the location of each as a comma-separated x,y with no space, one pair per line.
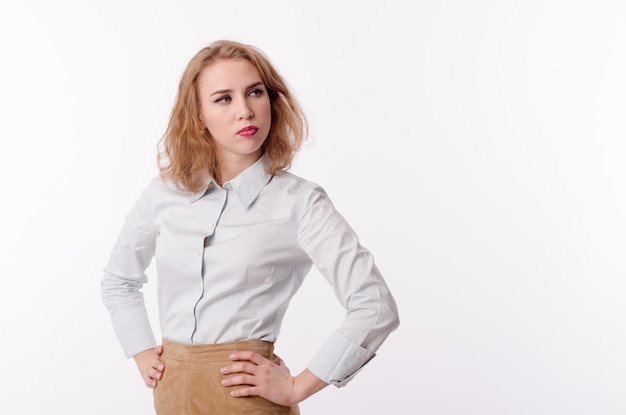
229,259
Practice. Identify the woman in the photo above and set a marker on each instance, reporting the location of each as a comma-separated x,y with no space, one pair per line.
233,235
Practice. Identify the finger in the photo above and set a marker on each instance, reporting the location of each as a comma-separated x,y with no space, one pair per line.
157,364
151,383
156,374
159,350
153,373
251,391
154,370
248,355
239,367
239,380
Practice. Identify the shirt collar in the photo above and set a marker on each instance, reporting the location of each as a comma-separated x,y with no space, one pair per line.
248,184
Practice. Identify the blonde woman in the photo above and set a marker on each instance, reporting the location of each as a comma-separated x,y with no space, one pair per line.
233,235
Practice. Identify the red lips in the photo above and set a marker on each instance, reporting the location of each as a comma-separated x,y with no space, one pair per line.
248,131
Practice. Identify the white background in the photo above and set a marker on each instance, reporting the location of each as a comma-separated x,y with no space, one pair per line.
477,148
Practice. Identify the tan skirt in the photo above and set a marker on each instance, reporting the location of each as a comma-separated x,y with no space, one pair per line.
191,383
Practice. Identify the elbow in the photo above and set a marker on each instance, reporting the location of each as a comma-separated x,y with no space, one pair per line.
387,317
390,313
393,319
396,320
117,292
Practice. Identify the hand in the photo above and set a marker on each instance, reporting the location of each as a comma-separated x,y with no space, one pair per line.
150,365
265,378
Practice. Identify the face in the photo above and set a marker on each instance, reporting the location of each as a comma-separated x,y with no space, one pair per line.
235,108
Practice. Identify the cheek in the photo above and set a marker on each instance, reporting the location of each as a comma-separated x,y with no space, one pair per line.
213,120
266,109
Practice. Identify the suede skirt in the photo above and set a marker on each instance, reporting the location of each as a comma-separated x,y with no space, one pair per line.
191,383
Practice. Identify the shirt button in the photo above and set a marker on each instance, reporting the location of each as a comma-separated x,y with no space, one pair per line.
198,288
190,323
198,252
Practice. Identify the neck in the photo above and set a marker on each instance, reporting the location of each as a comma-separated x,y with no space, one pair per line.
230,167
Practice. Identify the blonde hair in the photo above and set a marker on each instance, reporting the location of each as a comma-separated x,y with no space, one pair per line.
187,155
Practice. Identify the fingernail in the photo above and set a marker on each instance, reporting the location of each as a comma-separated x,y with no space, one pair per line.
224,382
223,370
232,356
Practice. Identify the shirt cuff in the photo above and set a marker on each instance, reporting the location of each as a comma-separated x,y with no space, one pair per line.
339,360
133,330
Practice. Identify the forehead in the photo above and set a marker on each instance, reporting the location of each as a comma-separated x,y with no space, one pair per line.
228,74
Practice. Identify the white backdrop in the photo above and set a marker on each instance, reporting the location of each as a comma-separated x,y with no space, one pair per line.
477,147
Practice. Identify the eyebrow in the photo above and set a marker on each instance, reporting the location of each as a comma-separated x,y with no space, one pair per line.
227,91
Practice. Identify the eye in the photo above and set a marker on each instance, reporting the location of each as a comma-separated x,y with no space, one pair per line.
256,92
223,100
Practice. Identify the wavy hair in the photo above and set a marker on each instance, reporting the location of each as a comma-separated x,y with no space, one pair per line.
186,151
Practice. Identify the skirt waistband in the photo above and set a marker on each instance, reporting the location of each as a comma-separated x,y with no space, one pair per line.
214,352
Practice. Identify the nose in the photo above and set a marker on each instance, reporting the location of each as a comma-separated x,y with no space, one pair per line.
245,111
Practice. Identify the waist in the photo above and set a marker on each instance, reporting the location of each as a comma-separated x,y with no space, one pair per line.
214,352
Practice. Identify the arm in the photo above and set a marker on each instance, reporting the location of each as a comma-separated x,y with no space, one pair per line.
124,276
371,311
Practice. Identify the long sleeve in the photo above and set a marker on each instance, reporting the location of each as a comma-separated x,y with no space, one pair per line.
124,276
230,258
371,312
